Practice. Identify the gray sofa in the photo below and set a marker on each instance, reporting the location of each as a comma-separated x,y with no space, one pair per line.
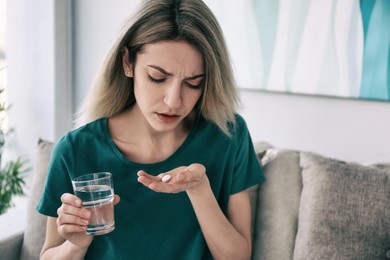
310,207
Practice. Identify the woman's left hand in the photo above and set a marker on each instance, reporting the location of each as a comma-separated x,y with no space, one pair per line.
182,178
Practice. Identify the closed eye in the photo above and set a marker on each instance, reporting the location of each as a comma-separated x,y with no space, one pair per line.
156,80
194,86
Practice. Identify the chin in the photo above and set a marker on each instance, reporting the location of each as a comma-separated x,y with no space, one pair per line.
164,127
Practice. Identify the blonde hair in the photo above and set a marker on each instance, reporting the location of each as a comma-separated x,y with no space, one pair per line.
161,20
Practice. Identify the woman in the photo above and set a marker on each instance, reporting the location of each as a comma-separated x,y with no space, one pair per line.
163,104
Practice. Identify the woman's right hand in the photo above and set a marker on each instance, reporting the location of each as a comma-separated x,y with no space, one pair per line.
72,221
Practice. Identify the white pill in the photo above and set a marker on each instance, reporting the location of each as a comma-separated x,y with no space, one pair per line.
166,178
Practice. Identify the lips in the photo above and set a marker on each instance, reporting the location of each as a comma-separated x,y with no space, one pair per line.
167,118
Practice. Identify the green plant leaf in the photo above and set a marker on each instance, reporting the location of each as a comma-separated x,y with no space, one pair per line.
11,182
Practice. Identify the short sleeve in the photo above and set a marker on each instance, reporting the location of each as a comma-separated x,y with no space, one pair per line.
58,179
247,170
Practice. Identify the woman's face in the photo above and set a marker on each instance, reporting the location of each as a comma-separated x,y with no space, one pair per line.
168,82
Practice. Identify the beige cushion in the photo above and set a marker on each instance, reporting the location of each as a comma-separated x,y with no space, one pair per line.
260,148
344,210
36,227
276,216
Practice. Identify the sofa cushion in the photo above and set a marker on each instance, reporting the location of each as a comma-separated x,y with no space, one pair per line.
344,210
261,149
276,215
34,234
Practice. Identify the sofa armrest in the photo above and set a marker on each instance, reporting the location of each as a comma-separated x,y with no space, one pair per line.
10,247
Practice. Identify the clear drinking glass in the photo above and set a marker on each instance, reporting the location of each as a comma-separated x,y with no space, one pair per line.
97,194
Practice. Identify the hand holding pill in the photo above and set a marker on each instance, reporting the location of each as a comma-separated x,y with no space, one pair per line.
180,179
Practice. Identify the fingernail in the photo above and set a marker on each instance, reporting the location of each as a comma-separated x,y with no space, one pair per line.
78,202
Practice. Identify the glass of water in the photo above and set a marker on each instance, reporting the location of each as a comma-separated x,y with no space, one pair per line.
96,191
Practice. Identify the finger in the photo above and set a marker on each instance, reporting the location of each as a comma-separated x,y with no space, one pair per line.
167,176
68,229
177,182
68,209
173,172
173,184
196,167
71,199
143,173
164,187
154,184
184,177
194,172
148,176
165,182
67,219
117,199
144,180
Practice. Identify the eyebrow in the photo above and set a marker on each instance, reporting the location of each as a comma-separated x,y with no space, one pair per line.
170,74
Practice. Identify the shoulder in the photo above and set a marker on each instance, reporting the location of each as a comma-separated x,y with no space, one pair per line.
79,136
90,127
238,128
93,129
240,121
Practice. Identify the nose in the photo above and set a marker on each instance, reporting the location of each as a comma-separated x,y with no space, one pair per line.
173,96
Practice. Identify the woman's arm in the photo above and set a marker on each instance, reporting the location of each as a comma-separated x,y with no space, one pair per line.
56,247
228,237
65,235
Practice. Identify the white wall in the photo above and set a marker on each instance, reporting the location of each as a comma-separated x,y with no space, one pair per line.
96,24
347,129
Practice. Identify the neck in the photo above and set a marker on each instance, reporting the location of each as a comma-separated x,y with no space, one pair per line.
140,142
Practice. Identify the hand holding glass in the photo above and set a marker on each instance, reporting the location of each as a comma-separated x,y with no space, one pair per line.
97,194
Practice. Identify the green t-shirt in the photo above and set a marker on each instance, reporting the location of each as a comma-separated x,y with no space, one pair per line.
151,225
